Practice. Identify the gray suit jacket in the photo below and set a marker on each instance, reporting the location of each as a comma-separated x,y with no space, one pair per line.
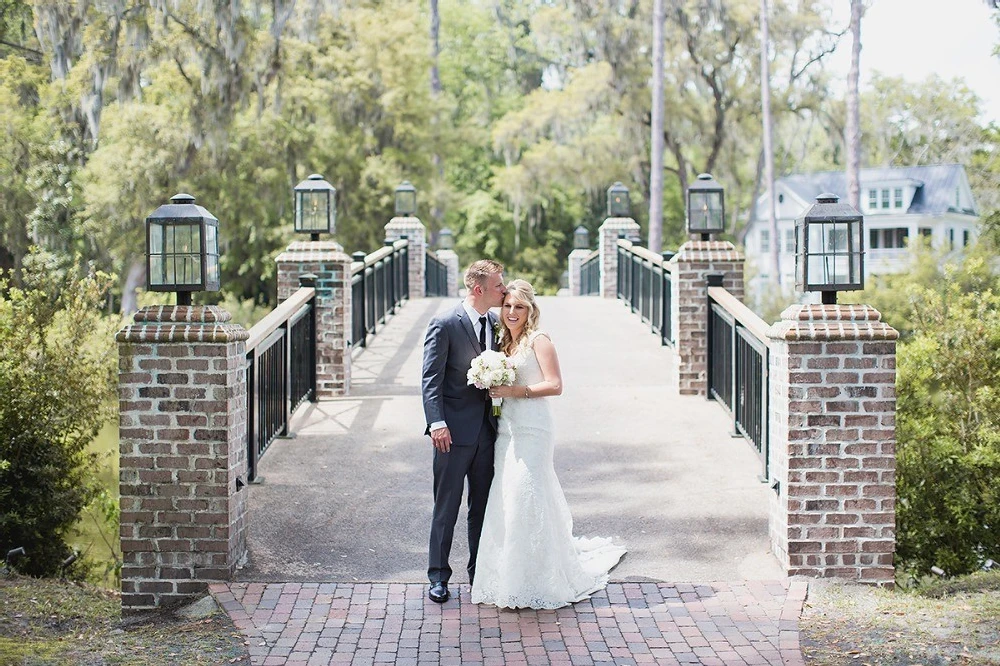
449,348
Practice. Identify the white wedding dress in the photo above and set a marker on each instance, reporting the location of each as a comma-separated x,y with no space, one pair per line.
528,556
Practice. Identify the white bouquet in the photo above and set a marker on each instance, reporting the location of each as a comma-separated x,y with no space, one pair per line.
489,369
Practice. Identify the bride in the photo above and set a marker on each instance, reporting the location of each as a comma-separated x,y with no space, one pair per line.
528,556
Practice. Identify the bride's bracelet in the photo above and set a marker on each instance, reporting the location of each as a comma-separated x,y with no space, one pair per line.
526,391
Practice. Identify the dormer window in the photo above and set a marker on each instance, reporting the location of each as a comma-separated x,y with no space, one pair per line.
872,199
885,198
897,198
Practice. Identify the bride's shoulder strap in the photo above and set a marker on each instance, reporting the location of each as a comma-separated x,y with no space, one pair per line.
536,334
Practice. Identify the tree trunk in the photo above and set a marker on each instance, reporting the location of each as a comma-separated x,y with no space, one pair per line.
656,134
852,131
436,210
135,276
765,101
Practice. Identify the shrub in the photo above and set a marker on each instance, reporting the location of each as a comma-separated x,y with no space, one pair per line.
57,380
948,429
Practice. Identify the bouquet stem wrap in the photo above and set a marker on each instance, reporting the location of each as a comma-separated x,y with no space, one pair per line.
489,369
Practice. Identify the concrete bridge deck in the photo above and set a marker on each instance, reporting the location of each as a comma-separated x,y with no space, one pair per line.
349,498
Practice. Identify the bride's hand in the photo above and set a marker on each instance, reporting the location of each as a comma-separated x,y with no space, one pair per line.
502,392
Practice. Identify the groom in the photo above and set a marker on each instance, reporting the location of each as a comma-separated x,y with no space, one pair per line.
459,419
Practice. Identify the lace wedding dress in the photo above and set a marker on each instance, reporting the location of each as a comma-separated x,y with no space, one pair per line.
528,556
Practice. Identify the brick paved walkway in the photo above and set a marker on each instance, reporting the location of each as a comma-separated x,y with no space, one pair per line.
306,624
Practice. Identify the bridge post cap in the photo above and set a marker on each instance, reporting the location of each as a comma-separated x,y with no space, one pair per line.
182,198
827,197
358,256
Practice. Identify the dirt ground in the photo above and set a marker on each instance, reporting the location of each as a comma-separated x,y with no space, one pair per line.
54,623
956,623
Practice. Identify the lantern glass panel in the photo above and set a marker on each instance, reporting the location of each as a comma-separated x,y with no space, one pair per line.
211,256
834,260
705,212
314,211
406,202
618,204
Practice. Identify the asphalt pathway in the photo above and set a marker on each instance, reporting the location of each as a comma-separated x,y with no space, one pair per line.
348,498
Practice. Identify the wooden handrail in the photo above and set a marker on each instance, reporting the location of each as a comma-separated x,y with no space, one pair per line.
741,313
279,316
379,254
645,253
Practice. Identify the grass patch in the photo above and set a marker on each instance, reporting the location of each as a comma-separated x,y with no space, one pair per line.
56,623
949,622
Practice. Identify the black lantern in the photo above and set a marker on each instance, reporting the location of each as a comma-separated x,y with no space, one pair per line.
618,205
315,207
446,240
406,199
706,212
829,248
182,249
581,238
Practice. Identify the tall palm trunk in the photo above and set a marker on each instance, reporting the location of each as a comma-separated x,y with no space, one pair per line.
852,129
765,101
656,134
436,209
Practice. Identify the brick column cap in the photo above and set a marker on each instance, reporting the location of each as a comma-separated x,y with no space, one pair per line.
407,220
309,251
581,252
182,323
444,254
713,250
831,322
621,222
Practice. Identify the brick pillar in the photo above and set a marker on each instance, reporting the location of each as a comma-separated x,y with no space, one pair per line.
607,245
450,260
692,264
413,229
183,429
576,259
332,267
833,442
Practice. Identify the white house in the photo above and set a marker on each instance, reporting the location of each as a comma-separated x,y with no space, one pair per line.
898,204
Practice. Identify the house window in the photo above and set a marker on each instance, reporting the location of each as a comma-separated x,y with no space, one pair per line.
965,238
888,239
872,199
781,198
926,232
885,198
951,239
765,240
790,241
897,197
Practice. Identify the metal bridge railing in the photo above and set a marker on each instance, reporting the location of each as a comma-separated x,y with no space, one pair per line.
738,367
380,282
590,274
435,276
645,285
281,370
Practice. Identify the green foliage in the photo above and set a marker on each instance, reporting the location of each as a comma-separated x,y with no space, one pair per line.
948,425
57,378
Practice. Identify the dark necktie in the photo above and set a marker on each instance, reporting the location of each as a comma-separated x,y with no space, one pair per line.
482,333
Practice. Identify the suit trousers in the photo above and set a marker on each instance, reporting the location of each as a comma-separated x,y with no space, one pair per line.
451,469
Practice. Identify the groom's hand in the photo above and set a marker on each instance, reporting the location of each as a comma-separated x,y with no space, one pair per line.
441,439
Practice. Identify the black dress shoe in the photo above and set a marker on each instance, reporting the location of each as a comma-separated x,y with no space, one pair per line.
438,592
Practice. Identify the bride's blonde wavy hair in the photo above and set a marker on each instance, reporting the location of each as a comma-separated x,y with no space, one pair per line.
522,292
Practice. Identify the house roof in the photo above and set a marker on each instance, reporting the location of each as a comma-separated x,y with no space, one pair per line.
935,185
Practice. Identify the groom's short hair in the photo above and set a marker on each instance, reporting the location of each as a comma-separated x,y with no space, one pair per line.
480,270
